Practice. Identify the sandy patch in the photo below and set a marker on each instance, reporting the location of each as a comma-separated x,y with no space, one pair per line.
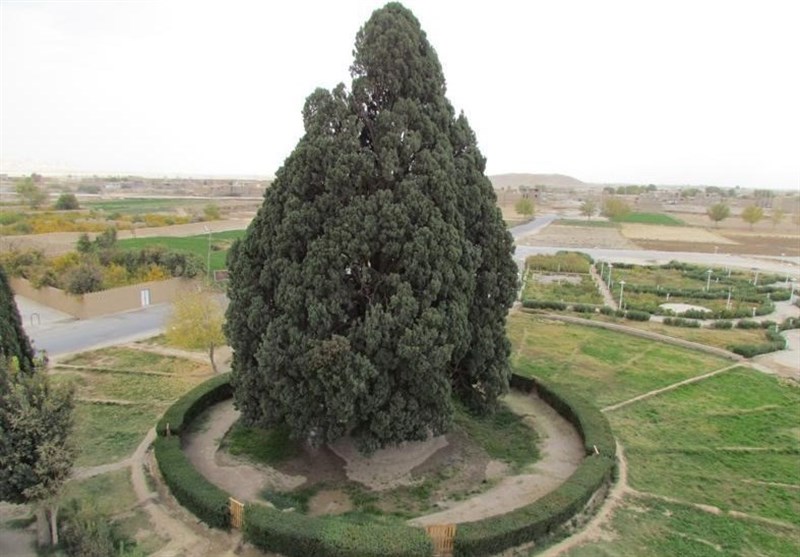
386,468
680,308
578,237
562,451
329,501
653,232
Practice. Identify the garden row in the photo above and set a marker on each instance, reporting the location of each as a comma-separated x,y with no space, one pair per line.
295,534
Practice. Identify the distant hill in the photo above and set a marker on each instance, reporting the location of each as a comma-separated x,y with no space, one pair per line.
551,180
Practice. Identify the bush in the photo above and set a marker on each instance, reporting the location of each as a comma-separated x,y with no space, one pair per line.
635,315
681,322
67,202
722,324
297,535
208,502
85,533
607,310
584,308
190,405
752,350
544,304
790,323
83,279
696,314
748,324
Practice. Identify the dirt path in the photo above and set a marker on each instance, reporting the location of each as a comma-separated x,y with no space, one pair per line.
608,299
243,481
15,542
562,452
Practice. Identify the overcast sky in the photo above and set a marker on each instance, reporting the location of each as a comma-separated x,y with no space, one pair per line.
670,92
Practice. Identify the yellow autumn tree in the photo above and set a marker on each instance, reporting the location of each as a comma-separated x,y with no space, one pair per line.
196,323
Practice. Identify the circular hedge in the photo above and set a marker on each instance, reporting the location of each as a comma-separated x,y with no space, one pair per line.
298,535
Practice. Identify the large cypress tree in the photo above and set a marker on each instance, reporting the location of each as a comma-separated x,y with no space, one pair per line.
14,343
373,284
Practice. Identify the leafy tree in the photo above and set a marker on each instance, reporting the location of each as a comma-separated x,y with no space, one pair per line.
374,282
777,217
84,244
67,202
588,208
85,278
14,343
614,207
36,452
718,212
106,239
524,207
196,323
30,193
752,214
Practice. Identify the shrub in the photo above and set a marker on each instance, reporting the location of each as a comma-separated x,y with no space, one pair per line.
696,314
544,304
85,532
84,278
67,202
297,535
607,310
584,308
722,324
208,502
752,350
635,315
790,323
681,322
190,405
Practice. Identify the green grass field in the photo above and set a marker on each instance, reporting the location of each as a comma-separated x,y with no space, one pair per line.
604,366
587,223
697,455
137,206
108,432
198,245
649,218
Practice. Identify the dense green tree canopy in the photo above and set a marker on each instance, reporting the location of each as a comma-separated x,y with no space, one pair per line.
14,343
374,282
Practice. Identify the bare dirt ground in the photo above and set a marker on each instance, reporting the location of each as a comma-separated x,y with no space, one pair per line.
567,236
650,232
562,452
561,448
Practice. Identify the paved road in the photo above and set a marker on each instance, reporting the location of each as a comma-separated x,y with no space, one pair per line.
66,336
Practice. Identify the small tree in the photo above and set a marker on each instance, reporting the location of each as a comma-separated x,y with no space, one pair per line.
196,323
30,193
752,214
85,278
777,217
614,208
84,244
524,207
36,449
718,212
588,208
67,202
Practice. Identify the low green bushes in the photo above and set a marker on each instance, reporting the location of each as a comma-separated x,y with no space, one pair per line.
636,315
208,502
722,324
544,304
180,414
296,535
681,322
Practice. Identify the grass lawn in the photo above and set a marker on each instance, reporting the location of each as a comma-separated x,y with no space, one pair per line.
727,441
719,338
198,245
587,223
647,526
111,432
604,366
649,218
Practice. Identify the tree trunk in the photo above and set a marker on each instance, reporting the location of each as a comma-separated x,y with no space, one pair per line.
53,512
211,357
42,528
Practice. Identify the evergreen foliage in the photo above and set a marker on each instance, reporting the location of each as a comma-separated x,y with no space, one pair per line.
14,343
374,282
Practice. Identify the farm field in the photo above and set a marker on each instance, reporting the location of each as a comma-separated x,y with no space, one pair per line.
198,245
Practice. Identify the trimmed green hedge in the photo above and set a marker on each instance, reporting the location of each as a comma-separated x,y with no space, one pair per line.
208,502
190,405
297,535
